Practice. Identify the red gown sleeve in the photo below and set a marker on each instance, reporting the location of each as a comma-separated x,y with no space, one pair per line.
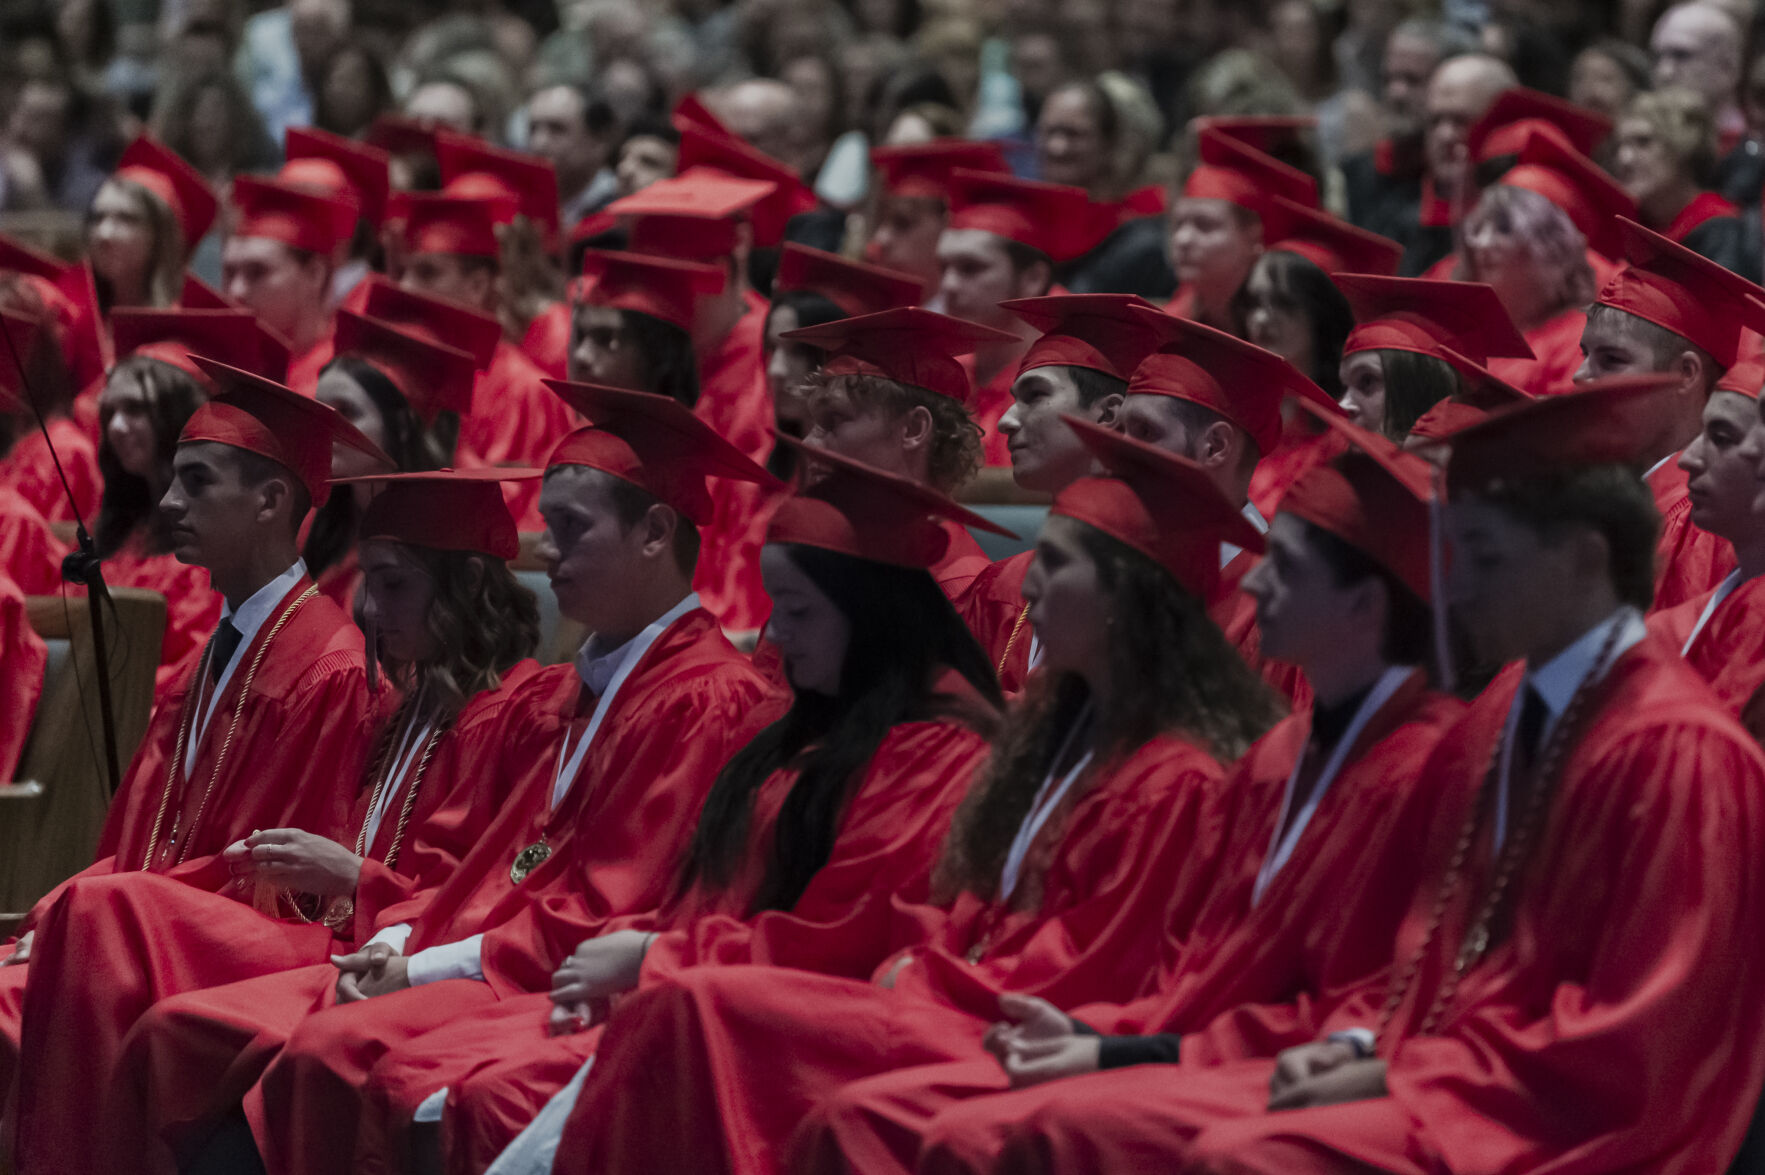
24,657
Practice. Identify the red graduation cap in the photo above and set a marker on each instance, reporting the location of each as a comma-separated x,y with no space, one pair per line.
1517,112
233,337
436,222
1680,291
443,509
399,134
1328,242
65,294
731,156
1746,377
1267,133
529,180
660,287
1554,169
431,376
18,257
653,442
1481,393
1604,422
856,287
196,294
1242,382
295,216
692,111
177,185
1054,219
361,169
261,416
909,345
1429,318
695,216
861,511
1162,505
1374,498
923,170
435,320
20,332
1102,332
1239,174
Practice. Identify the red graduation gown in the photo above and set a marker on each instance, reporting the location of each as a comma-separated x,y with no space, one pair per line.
30,554
1259,975
309,697
735,400
515,420
686,707
1626,1042
1730,651
29,470
1234,610
1556,347
98,972
547,341
1689,560
991,401
501,1068
753,1048
304,368
23,658
995,612
1299,450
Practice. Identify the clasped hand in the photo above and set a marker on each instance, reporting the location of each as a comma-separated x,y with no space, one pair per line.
296,860
1037,1042
374,970
1324,1073
597,969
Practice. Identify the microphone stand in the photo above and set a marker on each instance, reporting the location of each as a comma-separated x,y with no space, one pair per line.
83,567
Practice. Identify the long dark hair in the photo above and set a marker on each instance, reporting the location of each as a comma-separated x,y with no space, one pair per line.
670,367
1181,677
902,628
411,446
1413,384
482,620
1301,287
131,502
812,309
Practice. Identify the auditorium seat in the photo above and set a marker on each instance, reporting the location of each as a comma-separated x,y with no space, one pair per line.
1024,520
50,816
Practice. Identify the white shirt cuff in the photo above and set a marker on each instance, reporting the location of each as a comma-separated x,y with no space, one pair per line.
1361,1040
393,936
453,960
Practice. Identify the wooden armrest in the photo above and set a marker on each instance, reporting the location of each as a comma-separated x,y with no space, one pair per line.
28,789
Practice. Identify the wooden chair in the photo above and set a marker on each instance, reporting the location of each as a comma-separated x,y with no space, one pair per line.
51,815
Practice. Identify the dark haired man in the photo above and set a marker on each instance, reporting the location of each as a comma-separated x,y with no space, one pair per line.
1672,312
609,758
284,669
576,130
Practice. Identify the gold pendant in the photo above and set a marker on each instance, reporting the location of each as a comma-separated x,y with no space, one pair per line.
529,859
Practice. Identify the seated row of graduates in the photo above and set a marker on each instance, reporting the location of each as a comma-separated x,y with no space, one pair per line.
832,907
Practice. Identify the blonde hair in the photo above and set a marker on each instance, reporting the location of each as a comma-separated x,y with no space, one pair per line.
1682,120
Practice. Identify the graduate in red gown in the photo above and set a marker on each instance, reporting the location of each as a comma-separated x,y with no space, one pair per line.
452,254
1217,222
1216,399
1070,890
893,394
1597,767
453,628
37,427
1718,632
608,765
1075,366
284,668
912,203
1394,362
1324,813
867,536
145,402
405,393
1002,242
1676,313
811,288
30,554
145,221
25,657
360,173
278,263
1545,237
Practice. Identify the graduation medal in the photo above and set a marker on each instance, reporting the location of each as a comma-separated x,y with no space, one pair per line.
529,859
